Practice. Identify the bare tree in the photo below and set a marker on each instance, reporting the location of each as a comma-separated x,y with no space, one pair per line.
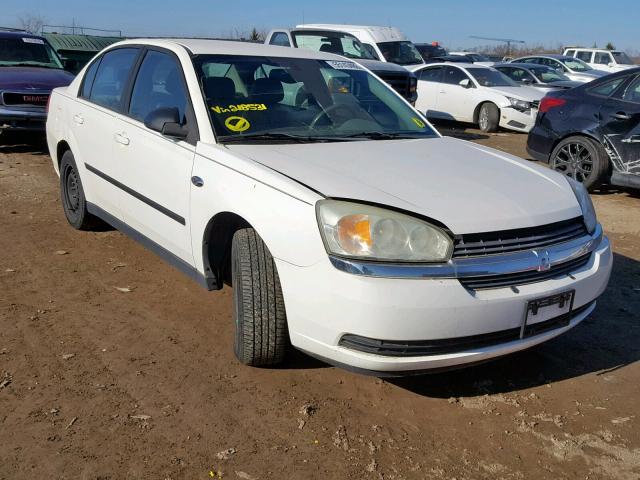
31,23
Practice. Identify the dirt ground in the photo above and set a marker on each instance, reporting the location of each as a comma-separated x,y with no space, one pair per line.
141,382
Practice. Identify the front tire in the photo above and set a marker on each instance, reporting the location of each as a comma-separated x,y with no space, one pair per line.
582,159
73,200
488,117
261,336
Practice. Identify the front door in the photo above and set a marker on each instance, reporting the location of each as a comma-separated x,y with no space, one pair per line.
620,123
156,169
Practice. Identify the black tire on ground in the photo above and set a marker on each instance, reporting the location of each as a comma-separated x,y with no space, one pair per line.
261,335
72,196
582,159
488,117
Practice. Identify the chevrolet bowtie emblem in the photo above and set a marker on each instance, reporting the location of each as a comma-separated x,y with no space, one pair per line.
544,263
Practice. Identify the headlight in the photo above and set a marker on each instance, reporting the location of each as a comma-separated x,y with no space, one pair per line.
584,200
519,104
362,231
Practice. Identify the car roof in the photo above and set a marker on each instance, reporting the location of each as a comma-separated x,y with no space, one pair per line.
464,66
555,56
17,34
229,47
526,66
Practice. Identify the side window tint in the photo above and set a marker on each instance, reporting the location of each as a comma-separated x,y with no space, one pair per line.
602,58
584,56
433,74
570,53
89,77
454,75
632,92
281,39
607,88
371,51
159,84
112,76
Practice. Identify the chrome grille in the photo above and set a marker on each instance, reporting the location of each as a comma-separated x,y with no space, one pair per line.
496,243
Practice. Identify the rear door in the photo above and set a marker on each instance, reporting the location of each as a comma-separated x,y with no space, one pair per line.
429,84
155,169
94,125
620,124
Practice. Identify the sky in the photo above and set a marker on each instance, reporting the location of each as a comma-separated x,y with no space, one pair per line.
550,23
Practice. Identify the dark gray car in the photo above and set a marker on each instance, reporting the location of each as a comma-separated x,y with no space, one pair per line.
540,77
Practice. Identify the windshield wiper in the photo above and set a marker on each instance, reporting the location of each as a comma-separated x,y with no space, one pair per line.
381,135
30,64
278,137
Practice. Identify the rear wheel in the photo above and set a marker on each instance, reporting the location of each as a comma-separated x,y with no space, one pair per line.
488,117
261,336
72,195
582,159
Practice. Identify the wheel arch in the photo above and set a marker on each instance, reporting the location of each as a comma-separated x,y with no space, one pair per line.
61,148
476,111
216,247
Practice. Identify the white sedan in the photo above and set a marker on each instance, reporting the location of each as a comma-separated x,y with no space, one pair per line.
476,94
346,225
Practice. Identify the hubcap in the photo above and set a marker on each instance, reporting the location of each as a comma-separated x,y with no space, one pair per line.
574,160
72,192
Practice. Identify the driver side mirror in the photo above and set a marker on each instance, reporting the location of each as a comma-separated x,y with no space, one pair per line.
466,83
167,122
526,81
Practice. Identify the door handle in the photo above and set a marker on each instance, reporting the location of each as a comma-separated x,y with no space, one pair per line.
620,116
122,138
78,119
631,139
197,181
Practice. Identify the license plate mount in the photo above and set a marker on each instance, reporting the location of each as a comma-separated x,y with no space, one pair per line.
554,309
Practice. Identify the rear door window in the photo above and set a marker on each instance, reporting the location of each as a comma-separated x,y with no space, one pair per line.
112,77
431,74
602,58
584,56
280,39
632,92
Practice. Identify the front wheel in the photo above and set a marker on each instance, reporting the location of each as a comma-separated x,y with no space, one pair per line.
582,159
488,117
261,336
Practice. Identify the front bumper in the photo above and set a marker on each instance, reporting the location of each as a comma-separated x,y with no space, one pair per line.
29,119
324,304
517,120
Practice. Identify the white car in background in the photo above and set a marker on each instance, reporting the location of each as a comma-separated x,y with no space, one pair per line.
574,68
387,44
476,94
609,61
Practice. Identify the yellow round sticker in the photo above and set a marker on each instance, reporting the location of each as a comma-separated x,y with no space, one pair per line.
237,124
418,122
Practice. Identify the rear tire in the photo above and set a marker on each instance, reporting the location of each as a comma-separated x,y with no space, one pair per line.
72,196
488,117
582,159
261,336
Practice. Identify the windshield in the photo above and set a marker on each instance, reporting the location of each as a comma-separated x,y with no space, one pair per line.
27,51
548,74
332,42
622,58
289,100
402,53
576,65
478,57
488,77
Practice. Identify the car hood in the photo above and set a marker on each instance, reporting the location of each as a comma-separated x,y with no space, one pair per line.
33,78
468,187
521,93
378,66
